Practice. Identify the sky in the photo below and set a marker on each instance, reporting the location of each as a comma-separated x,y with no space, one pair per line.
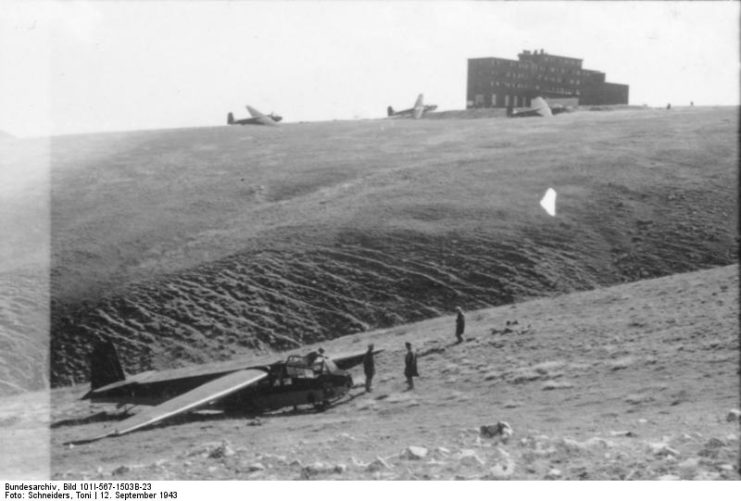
77,67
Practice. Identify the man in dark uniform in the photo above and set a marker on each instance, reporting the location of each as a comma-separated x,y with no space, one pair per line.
369,367
460,324
410,366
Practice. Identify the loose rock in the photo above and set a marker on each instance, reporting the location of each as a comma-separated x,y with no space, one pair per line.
688,468
669,477
414,452
500,430
502,471
318,468
557,385
662,450
553,474
120,470
468,457
622,433
378,465
734,415
599,442
222,451
571,445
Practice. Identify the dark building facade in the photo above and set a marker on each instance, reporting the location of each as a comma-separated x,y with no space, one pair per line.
499,83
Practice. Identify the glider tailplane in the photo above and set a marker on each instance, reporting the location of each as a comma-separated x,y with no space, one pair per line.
390,111
105,367
230,118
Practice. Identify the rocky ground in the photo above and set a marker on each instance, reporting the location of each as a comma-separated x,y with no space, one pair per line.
633,382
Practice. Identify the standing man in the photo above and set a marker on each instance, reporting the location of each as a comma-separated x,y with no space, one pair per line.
410,366
369,367
460,324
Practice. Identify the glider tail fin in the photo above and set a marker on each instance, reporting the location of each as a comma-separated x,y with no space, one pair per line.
389,111
230,119
105,367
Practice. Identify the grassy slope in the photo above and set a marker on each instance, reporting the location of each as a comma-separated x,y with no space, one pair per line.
193,245
24,264
656,358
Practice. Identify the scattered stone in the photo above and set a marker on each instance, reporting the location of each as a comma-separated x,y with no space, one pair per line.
120,470
688,468
715,443
726,467
296,463
643,421
669,477
414,452
511,404
570,444
435,462
557,385
734,415
622,433
273,458
340,468
711,448
501,430
442,450
377,465
707,475
468,457
524,376
222,451
661,449
636,399
600,442
621,363
553,474
548,367
501,471
255,467
254,422
318,468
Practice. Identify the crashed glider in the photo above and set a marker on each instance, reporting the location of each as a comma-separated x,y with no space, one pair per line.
313,379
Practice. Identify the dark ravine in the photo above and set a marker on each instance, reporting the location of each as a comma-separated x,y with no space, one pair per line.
274,300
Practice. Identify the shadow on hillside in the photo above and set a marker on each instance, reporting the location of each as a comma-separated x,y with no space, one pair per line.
98,417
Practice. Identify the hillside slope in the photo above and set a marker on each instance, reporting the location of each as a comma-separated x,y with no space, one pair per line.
193,245
197,244
627,382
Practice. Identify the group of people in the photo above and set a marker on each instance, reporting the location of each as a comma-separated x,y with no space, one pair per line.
410,359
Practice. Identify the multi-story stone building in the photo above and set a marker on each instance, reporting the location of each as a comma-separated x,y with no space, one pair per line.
500,83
